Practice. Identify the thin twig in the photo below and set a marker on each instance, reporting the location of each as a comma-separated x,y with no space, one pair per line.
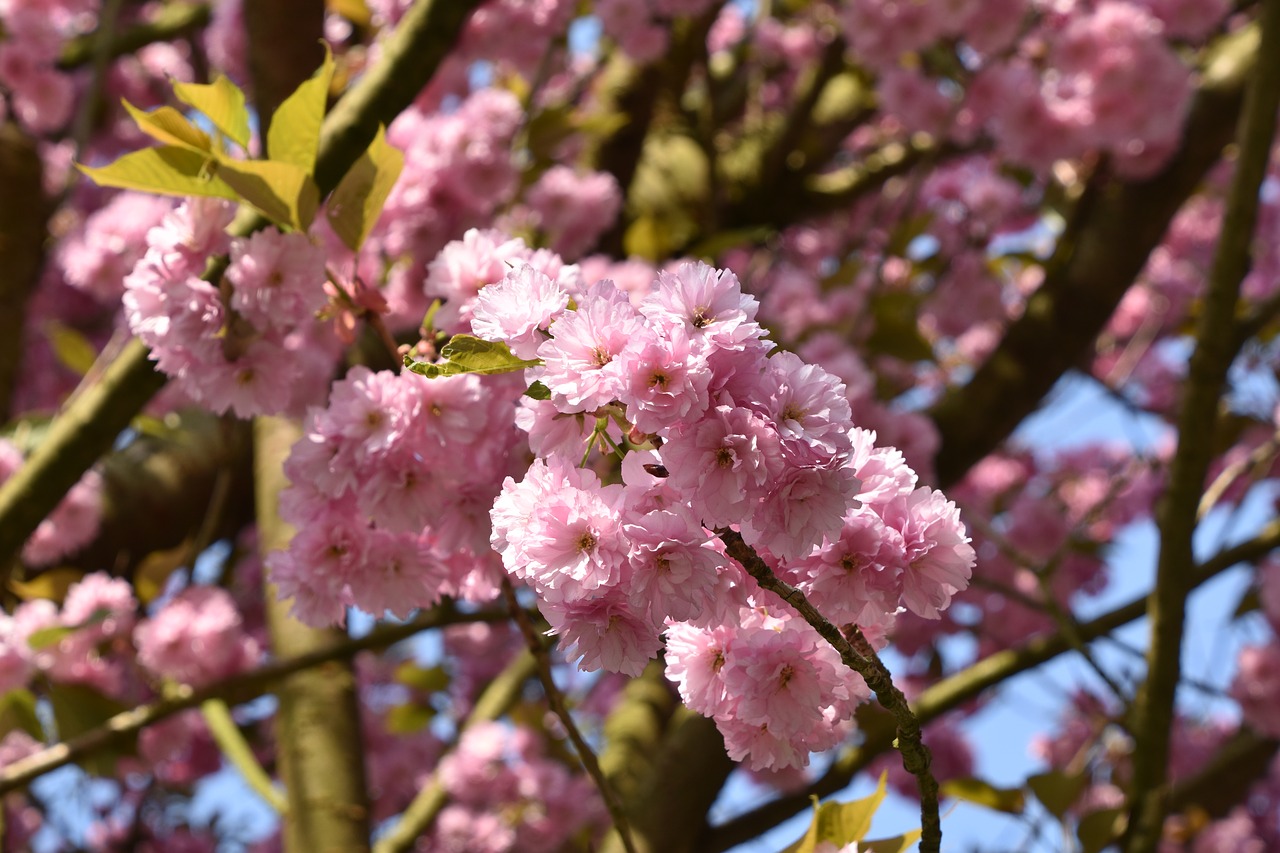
236,689
556,700
859,656
957,689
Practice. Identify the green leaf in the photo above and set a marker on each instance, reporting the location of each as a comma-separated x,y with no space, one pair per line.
468,354
71,348
46,637
408,719
18,712
1098,829
223,103
170,127
357,203
165,170
283,192
973,790
428,679
294,135
897,844
1057,791
355,11
78,709
840,823
538,391
52,585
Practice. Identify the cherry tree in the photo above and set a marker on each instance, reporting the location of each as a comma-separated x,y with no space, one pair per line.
566,411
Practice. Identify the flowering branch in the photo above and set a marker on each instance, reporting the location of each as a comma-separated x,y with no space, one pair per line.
1090,271
235,690
859,656
87,429
556,700
1177,515
955,690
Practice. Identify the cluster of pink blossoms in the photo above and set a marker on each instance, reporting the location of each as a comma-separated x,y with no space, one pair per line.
72,524
391,486
715,434
196,637
261,351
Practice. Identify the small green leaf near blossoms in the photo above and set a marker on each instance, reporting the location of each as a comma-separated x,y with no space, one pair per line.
164,170
469,354
841,823
1098,829
294,134
1057,790
168,126
897,844
357,202
222,102
538,391
983,793
46,637
18,713
429,679
72,349
284,193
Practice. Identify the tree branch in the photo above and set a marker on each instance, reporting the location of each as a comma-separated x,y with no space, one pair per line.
1176,515
89,427
1090,272
23,218
235,690
170,21
318,722
858,655
955,690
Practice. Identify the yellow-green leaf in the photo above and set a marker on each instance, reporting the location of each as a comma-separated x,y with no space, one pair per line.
408,719
841,823
152,574
166,170
71,348
283,192
223,103
171,127
468,354
18,712
46,637
78,709
52,585
1098,829
1057,791
357,203
294,135
428,679
897,844
355,11
983,793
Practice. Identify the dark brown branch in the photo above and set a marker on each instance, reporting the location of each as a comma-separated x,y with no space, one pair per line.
1095,263
171,21
954,691
24,213
858,655
234,690
88,428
